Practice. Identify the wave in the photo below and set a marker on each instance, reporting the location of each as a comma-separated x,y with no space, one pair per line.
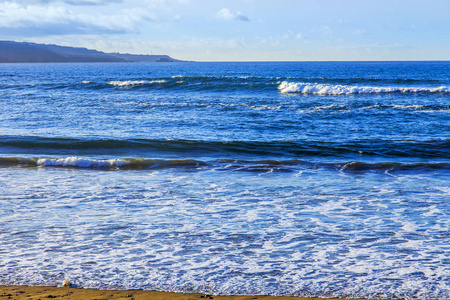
92,163
254,166
130,83
432,149
362,80
286,84
242,83
192,83
331,89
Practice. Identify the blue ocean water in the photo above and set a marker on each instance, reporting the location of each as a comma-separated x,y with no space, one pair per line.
293,178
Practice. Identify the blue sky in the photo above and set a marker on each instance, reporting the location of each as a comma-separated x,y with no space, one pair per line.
241,30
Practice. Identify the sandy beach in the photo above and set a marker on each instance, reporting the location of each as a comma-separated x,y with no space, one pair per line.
66,293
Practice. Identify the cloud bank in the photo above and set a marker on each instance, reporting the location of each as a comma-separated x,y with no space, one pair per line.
36,19
226,14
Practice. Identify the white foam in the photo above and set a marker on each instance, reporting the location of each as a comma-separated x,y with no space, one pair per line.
124,83
203,232
337,89
444,189
80,162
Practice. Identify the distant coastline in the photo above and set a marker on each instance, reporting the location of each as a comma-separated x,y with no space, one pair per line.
24,52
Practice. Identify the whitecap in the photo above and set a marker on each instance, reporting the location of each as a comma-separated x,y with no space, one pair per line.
337,89
125,83
80,162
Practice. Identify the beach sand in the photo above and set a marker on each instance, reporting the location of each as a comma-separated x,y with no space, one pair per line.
66,293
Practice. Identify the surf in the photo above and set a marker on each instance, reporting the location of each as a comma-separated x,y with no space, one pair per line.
337,89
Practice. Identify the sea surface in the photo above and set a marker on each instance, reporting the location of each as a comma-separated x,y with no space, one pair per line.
323,179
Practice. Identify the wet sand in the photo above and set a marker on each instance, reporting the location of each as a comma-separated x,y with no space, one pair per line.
67,293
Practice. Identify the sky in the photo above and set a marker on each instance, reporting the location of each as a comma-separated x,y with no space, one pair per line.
238,30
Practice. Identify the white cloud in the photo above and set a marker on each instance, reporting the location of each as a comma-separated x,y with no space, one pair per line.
36,20
226,14
13,15
71,2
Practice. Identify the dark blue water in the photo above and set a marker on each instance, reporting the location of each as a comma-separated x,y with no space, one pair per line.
312,179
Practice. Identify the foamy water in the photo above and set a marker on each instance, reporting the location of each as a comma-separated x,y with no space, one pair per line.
310,179
328,89
274,234
126,83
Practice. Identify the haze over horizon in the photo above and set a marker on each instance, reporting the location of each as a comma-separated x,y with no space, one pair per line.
245,30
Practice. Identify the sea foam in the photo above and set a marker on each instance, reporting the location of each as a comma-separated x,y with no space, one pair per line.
108,164
81,162
337,89
125,83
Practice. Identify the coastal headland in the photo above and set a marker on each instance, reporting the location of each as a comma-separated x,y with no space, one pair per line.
24,52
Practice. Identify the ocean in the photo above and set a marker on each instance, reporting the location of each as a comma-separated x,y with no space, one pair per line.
327,179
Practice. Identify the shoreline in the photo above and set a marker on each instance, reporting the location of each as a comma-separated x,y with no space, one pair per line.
19,292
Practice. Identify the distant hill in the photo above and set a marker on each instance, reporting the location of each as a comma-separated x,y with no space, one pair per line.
15,52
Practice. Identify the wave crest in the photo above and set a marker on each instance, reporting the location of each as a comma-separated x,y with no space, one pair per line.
337,89
104,164
222,164
126,83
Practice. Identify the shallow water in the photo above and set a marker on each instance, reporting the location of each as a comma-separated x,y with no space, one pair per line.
313,179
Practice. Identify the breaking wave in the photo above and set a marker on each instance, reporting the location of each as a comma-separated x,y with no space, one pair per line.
93,163
128,83
317,86
331,89
254,166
